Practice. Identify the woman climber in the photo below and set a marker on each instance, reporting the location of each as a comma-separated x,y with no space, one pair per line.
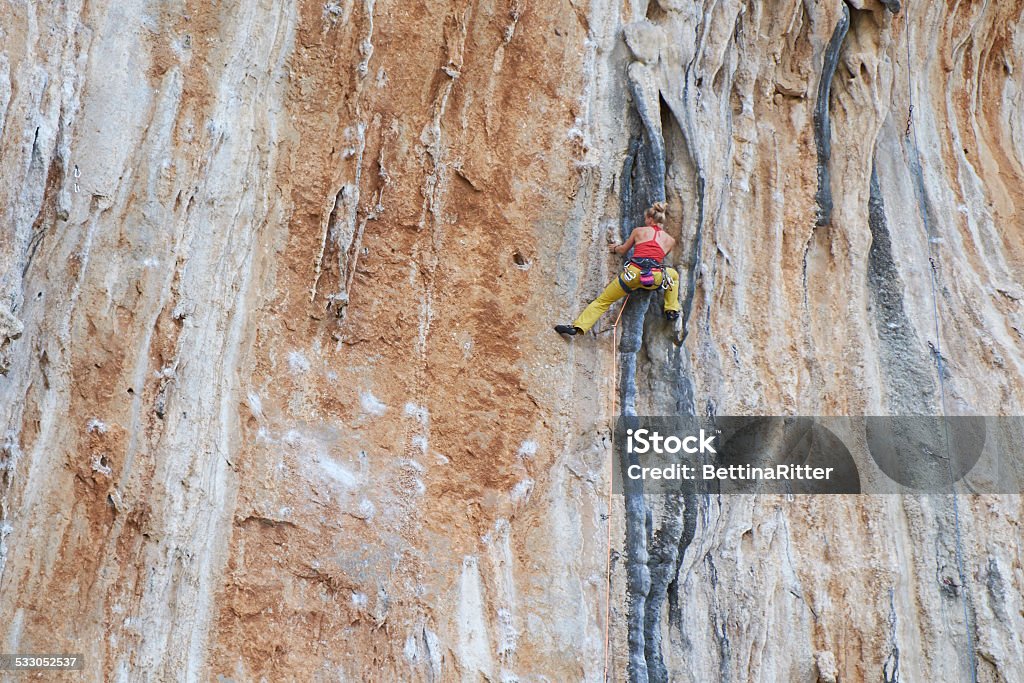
644,270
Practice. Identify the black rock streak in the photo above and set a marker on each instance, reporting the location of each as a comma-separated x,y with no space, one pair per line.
822,125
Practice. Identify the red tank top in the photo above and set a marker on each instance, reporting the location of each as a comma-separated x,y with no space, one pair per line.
650,248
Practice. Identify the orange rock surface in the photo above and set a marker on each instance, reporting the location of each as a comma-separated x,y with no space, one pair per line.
282,400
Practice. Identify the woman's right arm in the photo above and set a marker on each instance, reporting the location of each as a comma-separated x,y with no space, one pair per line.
627,245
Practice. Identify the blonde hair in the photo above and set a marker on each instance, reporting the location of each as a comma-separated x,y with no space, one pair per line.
657,212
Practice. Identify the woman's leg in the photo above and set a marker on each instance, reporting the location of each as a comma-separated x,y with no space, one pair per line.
672,293
612,293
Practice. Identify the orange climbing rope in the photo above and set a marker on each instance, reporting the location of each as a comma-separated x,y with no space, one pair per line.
611,470
615,355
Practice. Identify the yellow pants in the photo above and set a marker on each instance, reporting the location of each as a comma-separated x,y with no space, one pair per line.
614,291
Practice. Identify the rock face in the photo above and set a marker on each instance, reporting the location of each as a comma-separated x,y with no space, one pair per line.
281,396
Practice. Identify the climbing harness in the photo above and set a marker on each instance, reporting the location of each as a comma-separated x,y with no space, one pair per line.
647,267
937,353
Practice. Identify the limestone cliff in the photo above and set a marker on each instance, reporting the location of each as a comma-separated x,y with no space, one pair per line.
281,398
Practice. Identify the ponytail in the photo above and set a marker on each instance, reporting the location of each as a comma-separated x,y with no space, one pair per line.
657,212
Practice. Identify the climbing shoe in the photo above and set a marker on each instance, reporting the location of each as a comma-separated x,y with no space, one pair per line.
672,316
567,329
